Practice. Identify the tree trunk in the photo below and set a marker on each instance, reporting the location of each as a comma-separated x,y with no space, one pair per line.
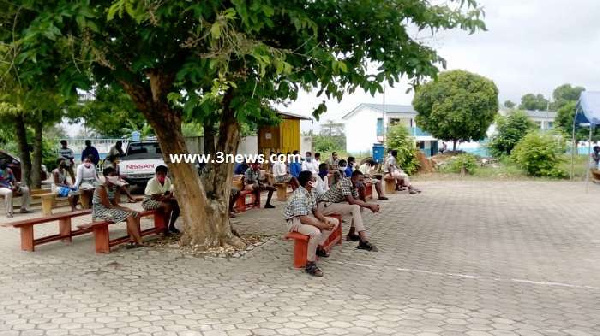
36,178
454,145
204,212
24,152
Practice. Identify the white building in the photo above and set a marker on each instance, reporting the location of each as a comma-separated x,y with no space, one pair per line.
365,124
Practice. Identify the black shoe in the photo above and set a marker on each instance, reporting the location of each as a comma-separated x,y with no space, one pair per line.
365,245
269,206
174,230
382,198
313,269
322,253
353,237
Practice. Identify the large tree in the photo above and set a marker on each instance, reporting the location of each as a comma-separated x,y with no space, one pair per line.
458,106
565,94
533,102
226,62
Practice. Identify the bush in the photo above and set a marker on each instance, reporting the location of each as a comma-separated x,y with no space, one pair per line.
398,138
511,129
463,163
540,155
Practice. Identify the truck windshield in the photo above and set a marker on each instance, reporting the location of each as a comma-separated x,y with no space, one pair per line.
143,150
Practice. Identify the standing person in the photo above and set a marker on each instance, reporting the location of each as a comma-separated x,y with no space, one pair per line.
342,198
402,181
88,151
104,206
303,216
281,175
333,161
322,179
596,157
67,154
350,167
159,195
114,154
295,165
368,170
61,187
310,164
10,186
87,177
254,184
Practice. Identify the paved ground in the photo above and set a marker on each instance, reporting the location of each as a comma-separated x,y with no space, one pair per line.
462,258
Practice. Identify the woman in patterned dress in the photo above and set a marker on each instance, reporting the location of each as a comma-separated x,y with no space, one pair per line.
105,207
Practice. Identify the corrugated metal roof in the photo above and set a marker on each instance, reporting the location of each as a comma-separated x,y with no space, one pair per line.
388,108
293,115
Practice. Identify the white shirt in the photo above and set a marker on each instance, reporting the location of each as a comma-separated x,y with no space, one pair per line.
155,188
367,169
86,174
322,185
313,166
279,169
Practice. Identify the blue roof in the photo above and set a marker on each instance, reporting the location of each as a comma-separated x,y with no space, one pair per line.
588,108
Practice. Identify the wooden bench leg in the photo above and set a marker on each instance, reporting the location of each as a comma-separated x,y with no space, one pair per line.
85,200
102,238
160,221
282,192
65,229
47,204
27,242
300,249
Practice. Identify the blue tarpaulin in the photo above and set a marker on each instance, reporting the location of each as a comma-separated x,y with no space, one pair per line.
588,108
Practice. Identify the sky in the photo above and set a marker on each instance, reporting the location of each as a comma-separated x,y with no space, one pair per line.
531,46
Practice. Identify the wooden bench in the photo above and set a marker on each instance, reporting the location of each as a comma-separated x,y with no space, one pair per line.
301,242
246,201
368,190
102,235
28,241
390,184
281,191
51,200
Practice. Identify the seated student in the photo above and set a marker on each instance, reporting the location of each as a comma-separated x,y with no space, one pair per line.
10,186
322,179
253,183
61,187
295,165
310,164
240,169
391,169
350,166
87,177
368,170
333,162
159,195
303,216
342,198
105,207
281,175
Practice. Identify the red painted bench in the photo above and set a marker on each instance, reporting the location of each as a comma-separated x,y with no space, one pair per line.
102,235
301,242
246,201
28,241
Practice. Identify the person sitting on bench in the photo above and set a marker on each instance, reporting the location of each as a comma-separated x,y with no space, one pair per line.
61,187
104,206
10,186
392,169
281,175
303,216
87,177
159,195
254,184
369,172
322,179
342,198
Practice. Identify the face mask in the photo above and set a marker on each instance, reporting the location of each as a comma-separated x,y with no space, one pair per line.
161,178
112,179
308,159
323,173
87,165
342,168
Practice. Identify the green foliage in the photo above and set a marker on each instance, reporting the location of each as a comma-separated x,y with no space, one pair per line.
327,143
459,106
463,162
398,138
540,155
509,104
533,102
510,130
564,95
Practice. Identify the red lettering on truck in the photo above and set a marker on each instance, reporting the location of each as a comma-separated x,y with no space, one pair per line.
140,166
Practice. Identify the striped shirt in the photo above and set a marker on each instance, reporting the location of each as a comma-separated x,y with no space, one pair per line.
66,153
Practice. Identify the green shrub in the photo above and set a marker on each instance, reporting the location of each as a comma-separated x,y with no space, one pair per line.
465,162
510,130
540,155
398,138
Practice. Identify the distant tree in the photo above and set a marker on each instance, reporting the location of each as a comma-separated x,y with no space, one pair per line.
509,104
564,122
564,94
533,102
510,130
331,128
398,138
458,106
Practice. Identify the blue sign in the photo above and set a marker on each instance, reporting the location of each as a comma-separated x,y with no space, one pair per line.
135,136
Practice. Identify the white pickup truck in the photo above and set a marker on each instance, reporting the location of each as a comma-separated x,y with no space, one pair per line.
140,161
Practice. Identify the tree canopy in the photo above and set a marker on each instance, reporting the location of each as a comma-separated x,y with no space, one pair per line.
564,94
510,130
458,106
534,102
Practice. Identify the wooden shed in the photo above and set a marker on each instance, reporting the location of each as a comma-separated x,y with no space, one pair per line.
282,138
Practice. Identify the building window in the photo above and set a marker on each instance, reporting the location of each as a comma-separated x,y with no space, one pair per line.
550,125
394,121
379,126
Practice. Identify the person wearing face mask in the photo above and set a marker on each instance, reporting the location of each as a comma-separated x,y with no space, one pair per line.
303,216
61,187
159,195
104,206
87,177
370,173
9,186
310,164
322,179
